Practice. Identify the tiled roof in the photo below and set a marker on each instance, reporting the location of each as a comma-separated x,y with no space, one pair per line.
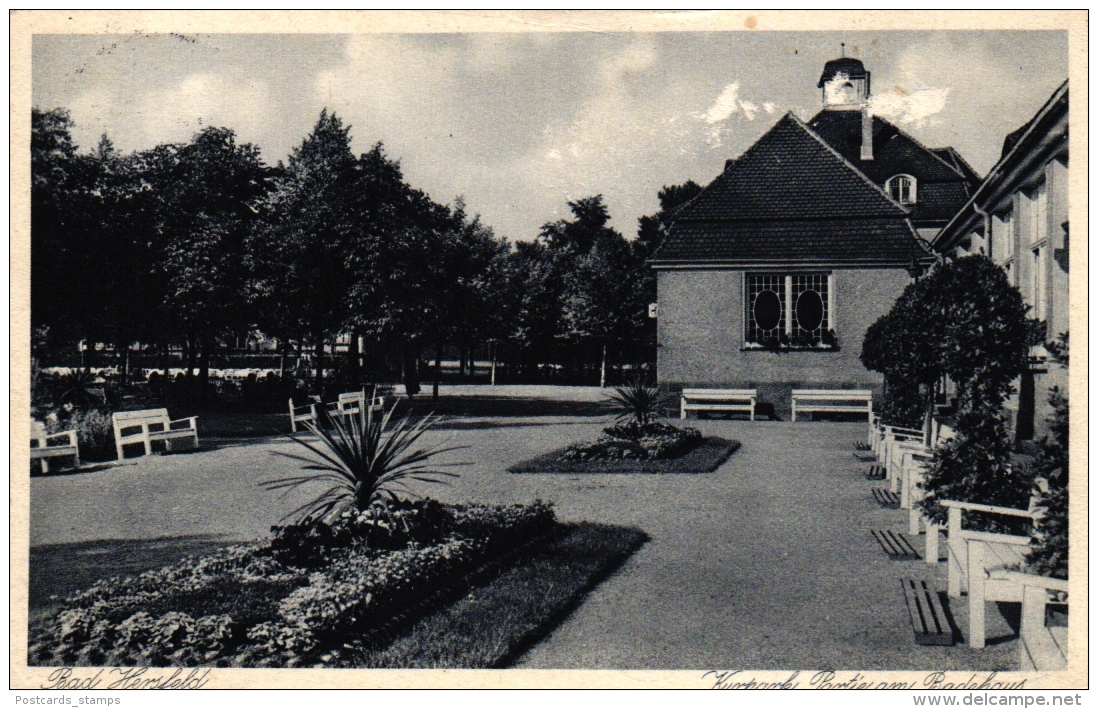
894,152
938,201
880,241
952,156
790,174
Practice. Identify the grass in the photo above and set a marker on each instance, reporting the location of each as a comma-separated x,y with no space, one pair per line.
493,624
705,457
59,570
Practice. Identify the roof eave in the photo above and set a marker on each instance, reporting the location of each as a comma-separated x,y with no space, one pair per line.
952,232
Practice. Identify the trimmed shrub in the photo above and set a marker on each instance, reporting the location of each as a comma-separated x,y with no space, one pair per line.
1049,552
975,467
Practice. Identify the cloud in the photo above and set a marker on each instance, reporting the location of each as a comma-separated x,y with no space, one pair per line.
729,104
173,113
902,107
725,105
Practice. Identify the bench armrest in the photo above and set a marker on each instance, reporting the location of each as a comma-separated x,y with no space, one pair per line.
193,423
995,538
1032,580
68,435
991,509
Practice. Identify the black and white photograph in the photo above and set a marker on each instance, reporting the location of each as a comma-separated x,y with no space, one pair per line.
729,344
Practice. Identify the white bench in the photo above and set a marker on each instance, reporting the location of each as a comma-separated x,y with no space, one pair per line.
1042,648
352,403
842,401
719,400
302,414
151,425
973,555
44,446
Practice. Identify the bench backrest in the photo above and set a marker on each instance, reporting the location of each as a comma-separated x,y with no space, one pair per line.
38,433
836,394
352,397
140,420
720,393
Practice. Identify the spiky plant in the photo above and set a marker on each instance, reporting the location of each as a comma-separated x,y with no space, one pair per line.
637,400
365,459
78,389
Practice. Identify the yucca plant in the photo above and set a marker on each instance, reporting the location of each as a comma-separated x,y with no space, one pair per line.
78,389
366,460
637,400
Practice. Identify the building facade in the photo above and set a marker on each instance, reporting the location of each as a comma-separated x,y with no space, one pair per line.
771,276
1019,218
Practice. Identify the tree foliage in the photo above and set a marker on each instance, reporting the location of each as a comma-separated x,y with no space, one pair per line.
966,322
193,245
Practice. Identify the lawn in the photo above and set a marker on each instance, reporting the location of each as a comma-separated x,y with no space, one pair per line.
498,617
705,457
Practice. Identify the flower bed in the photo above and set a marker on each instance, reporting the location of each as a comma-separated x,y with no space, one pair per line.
285,601
650,441
703,457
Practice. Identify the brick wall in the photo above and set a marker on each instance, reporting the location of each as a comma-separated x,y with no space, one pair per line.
701,335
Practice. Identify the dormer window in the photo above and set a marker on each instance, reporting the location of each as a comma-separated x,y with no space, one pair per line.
901,188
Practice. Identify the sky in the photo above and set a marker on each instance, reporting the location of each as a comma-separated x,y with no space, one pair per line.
519,124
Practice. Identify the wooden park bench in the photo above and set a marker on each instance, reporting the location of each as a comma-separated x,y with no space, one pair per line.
347,404
302,414
719,400
832,401
973,555
150,426
44,446
351,404
1041,648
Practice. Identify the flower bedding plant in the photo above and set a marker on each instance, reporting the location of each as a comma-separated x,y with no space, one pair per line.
251,605
651,441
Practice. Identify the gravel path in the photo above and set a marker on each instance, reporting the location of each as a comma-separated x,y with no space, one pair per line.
767,563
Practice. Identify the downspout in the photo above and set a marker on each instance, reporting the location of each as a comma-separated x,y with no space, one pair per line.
987,225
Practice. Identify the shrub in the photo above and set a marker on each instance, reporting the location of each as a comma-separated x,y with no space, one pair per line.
363,459
1049,551
975,467
94,431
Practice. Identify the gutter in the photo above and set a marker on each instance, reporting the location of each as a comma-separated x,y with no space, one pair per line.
999,171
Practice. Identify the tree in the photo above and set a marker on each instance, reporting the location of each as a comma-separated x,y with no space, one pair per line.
580,234
302,252
208,192
605,299
92,245
653,229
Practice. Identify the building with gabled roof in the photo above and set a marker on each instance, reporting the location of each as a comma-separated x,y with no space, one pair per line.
771,276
